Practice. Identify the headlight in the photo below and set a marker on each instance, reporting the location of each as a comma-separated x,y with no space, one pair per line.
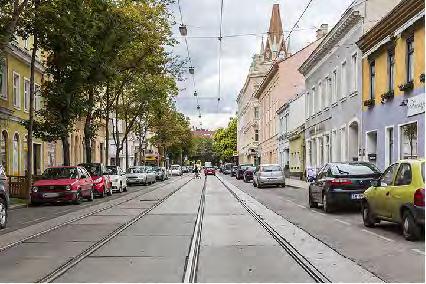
68,187
99,180
35,189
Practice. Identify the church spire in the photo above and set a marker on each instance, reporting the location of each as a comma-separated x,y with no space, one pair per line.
275,45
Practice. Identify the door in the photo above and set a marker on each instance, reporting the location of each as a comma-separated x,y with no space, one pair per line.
382,192
403,181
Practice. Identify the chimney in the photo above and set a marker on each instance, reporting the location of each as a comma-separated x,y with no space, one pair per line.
322,31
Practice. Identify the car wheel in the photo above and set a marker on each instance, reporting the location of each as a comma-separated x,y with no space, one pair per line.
3,213
326,204
109,193
410,229
77,199
120,190
367,215
254,184
91,196
312,203
125,188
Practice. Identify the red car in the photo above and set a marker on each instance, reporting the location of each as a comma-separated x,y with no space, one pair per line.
62,184
101,182
209,171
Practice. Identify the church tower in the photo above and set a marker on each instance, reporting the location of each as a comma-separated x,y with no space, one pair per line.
275,45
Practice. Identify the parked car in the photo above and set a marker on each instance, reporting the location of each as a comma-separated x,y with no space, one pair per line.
4,197
118,178
234,171
100,177
398,196
62,184
241,169
185,169
341,184
209,171
227,168
248,174
160,174
268,174
176,170
139,175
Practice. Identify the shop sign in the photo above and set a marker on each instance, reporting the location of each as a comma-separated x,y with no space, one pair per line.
416,105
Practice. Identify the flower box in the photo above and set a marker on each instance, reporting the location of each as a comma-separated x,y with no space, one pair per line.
388,95
406,87
422,78
369,103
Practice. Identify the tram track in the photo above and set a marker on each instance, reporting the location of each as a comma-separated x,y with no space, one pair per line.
79,218
301,260
63,268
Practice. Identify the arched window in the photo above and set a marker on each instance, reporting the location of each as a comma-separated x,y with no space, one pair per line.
16,154
4,149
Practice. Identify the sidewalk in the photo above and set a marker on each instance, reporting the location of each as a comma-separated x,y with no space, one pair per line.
297,183
16,203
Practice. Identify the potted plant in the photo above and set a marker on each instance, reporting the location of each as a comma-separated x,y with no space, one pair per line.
369,103
388,95
406,87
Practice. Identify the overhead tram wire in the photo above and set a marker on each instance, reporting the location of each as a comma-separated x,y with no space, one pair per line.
190,62
298,20
220,54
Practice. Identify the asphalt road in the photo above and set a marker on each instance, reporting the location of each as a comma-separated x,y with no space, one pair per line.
381,250
227,231
22,217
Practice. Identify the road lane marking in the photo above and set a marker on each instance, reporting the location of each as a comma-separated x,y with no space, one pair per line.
343,222
323,214
422,252
377,235
301,206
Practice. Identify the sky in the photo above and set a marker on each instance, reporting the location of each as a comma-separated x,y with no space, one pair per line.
240,17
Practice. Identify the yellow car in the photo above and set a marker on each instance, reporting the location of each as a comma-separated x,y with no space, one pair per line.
398,196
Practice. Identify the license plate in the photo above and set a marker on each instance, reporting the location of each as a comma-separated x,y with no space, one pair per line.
357,196
50,194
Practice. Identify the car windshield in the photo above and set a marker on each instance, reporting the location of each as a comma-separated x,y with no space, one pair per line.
135,170
175,167
113,170
60,173
245,167
93,169
272,168
251,168
354,169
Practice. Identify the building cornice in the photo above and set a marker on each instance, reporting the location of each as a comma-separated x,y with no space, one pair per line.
23,55
405,11
346,22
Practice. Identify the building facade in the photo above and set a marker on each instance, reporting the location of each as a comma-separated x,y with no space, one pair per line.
282,83
291,138
333,87
393,89
14,110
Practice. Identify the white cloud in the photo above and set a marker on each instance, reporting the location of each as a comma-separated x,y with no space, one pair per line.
240,17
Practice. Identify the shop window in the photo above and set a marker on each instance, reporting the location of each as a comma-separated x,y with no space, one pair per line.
408,142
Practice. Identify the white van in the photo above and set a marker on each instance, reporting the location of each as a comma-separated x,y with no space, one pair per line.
176,170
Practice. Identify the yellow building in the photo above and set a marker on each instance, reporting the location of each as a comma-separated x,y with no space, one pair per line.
393,85
14,109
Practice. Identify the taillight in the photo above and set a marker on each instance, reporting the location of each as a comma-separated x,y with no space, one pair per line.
340,181
419,197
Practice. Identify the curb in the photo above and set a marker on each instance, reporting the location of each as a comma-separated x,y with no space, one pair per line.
17,206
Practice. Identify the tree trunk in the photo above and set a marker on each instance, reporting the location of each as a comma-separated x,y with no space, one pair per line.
88,135
66,151
107,126
31,116
127,146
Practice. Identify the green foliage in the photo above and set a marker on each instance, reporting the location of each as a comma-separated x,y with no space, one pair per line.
202,150
225,141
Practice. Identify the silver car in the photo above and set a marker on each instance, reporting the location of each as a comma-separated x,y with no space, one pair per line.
268,174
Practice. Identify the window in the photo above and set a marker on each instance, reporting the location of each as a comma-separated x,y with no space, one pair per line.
355,72
389,146
410,59
314,102
372,79
256,135
326,148
408,142
343,143
37,98
26,94
391,69
387,177
256,112
320,94
3,90
16,89
327,89
51,153
4,149
16,151
343,84
404,176
26,43
334,87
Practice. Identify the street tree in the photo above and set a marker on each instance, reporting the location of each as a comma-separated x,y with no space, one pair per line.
225,141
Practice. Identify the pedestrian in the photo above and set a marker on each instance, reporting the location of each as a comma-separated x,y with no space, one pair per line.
197,175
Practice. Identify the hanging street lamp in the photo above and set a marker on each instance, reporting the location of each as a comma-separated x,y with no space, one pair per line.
191,70
183,30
